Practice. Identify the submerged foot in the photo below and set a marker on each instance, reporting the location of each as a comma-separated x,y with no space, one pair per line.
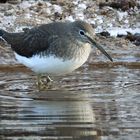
44,82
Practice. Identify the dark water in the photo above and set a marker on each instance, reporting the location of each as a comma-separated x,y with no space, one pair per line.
89,104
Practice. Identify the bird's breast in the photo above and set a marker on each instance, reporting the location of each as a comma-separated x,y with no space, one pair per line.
52,65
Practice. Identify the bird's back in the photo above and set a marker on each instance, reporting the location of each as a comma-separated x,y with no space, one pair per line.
35,40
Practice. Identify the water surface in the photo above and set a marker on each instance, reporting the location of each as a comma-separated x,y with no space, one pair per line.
92,103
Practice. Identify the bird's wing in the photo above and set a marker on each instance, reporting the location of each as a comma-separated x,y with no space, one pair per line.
30,42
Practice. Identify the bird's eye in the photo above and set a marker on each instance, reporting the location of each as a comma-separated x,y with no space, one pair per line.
81,32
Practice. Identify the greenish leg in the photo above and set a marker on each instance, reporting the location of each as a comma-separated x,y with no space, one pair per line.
49,79
39,82
43,83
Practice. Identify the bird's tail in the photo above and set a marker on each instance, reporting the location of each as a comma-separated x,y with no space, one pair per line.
1,32
2,39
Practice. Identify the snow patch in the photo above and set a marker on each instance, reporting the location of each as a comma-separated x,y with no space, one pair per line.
121,15
99,19
82,6
57,8
48,4
75,2
80,16
25,4
70,18
115,31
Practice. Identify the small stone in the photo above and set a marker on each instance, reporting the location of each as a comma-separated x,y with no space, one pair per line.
105,33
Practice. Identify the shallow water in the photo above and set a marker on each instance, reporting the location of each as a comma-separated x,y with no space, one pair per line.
100,102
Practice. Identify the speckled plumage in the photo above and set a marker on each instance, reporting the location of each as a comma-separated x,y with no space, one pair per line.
55,48
58,39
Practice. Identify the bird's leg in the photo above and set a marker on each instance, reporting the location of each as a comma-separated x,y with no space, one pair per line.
43,84
49,82
49,79
39,82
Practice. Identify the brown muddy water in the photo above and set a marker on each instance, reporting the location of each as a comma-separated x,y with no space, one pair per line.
96,102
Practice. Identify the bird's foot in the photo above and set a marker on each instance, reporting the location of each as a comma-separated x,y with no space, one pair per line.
44,83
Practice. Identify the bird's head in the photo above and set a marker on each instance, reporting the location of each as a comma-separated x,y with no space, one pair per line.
85,33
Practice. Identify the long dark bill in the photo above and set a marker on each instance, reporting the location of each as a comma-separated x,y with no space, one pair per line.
100,48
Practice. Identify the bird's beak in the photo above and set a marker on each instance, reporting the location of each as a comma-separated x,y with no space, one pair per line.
93,42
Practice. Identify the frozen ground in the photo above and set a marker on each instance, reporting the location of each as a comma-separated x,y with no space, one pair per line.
29,13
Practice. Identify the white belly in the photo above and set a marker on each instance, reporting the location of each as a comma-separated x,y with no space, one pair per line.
52,65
